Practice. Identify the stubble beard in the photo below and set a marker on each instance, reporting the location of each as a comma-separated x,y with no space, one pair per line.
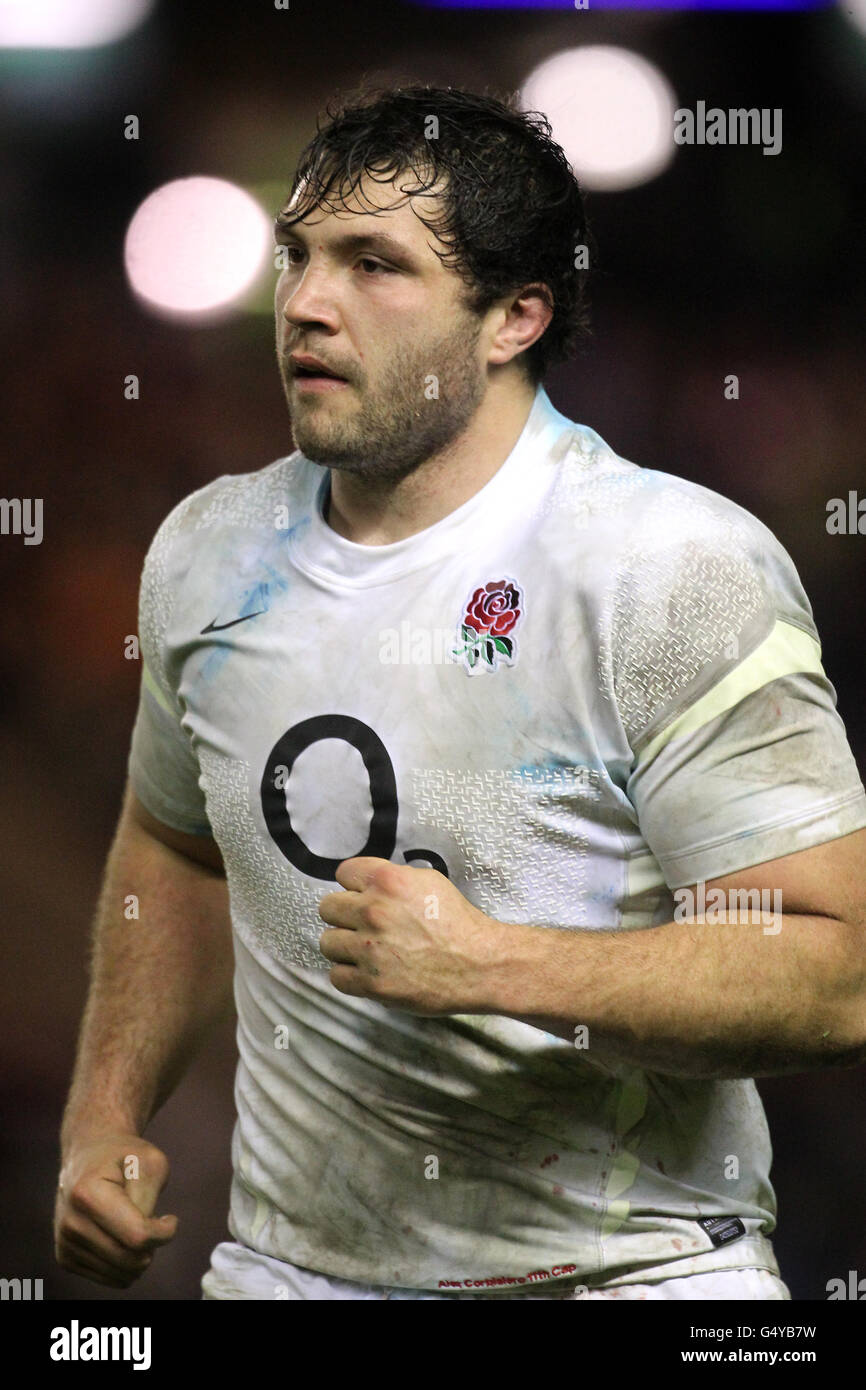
397,427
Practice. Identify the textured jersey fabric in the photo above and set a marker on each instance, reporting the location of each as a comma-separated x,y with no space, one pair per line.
589,685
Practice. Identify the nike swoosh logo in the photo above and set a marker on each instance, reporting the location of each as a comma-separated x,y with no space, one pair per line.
219,627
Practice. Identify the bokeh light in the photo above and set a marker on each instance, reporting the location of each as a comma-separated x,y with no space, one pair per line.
195,247
855,12
611,110
69,23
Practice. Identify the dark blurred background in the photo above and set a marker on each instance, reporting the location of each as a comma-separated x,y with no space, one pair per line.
728,262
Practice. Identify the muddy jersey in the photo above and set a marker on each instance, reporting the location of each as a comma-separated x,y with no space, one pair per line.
589,685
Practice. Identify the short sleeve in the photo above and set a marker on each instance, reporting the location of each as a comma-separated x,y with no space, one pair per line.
740,755
163,769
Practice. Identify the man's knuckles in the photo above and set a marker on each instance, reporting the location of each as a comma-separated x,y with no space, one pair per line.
377,913
134,1231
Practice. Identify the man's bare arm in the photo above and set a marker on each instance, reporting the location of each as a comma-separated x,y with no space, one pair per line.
741,996
158,983
746,994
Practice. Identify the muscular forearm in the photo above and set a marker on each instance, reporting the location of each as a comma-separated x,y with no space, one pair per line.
721,1000
158,983
725,998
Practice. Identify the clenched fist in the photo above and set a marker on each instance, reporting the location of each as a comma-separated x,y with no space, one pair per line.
408,938
104,1228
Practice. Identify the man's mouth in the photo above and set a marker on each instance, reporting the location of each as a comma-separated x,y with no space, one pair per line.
310,374
311,369
312,382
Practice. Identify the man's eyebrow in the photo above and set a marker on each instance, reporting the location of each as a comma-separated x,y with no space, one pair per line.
382,242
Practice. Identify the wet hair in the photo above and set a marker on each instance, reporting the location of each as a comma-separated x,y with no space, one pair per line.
511,211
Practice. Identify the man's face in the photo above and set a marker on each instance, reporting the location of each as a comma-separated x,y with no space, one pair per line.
365,294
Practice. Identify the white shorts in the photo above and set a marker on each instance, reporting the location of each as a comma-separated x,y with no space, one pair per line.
237,1273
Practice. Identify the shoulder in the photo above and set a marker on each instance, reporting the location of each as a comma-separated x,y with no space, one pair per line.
648,536
203,534
245,501
682,542
644,506
684,584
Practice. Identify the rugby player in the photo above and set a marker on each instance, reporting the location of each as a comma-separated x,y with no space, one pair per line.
491,1042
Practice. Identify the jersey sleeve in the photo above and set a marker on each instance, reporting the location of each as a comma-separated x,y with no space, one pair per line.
162,766
739,753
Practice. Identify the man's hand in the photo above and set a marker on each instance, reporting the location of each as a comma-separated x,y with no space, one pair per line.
104,1228
407,938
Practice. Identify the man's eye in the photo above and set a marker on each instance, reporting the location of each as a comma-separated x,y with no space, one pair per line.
293,255
285,254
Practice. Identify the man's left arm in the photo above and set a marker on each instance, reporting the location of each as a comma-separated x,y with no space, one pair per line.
747,991
750,993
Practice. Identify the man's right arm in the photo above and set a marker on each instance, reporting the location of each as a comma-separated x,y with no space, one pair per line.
158,983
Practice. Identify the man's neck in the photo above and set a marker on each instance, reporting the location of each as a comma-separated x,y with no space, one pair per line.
379,512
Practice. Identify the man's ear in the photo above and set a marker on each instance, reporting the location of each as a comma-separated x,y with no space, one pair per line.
526,315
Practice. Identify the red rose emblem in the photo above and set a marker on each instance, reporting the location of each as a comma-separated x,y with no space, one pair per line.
486,632
494,609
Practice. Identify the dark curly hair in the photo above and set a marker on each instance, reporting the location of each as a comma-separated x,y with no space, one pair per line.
512,211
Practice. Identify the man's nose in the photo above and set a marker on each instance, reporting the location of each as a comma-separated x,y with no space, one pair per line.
312,300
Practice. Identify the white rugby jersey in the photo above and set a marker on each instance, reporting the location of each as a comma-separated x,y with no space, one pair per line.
587,686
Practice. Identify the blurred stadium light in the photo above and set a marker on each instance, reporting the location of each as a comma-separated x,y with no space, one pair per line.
69,23
855,12
611,110
194,248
